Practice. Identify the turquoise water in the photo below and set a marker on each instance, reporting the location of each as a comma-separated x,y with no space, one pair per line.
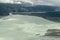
24,27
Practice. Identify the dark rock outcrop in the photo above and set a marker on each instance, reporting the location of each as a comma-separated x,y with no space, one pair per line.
53,32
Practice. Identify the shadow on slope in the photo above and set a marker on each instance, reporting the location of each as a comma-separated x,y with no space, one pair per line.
52,16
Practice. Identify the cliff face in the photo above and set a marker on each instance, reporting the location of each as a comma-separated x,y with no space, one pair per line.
53,32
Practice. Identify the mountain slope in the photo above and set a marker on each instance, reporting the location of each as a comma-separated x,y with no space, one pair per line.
7,8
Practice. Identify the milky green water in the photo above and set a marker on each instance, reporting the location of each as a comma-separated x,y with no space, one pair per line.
24,27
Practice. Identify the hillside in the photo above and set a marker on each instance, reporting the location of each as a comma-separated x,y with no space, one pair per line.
5,9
